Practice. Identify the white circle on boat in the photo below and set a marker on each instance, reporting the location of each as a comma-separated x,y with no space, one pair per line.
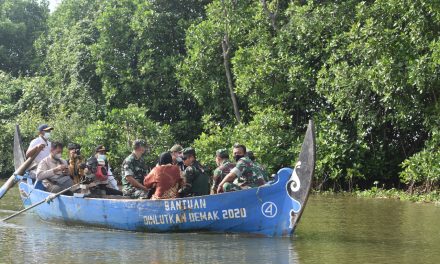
269,209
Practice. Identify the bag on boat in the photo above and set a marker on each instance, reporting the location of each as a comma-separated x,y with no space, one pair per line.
98,170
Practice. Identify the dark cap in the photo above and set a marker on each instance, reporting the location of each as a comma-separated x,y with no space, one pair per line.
44,127
71,146
189,151
222,153
139,143
100,148
176,148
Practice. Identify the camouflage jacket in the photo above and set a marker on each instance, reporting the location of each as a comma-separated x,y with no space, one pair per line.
133,167
248,174
196,181
220,173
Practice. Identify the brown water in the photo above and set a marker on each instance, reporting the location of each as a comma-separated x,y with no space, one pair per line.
334,229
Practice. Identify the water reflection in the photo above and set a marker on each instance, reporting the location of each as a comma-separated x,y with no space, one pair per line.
334,229
31,239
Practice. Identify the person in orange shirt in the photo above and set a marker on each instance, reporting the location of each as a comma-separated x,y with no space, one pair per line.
165,178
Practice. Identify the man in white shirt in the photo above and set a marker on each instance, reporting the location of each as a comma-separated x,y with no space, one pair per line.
42,144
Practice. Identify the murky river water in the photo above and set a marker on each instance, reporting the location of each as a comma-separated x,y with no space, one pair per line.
334,229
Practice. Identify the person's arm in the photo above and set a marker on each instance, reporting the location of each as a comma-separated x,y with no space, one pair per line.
109,172
33,148
149,180
128,173
135,183
228,178
215,181
43,171
188,179
235,173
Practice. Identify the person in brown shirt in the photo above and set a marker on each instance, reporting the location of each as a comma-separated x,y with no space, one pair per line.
165,178
76,169
53,170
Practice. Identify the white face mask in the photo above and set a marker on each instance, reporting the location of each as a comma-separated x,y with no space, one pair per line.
102,157
57,156
46,135
179,159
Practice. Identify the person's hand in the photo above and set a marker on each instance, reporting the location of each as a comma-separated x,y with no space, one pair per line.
60,168
41,146
220,188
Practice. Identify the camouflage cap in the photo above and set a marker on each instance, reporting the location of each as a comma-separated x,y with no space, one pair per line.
222,153
189,151
176,148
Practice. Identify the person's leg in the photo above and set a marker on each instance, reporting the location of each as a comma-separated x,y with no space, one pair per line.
111,191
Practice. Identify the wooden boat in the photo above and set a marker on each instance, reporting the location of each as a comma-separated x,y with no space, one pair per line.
270,210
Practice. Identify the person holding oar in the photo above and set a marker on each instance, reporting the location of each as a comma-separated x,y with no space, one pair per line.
41,144
53,170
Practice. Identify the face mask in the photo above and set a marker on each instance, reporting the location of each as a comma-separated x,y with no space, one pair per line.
179,159
238,157
57,156
46,135
102,157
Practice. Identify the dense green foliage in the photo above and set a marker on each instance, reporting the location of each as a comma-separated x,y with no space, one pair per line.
367,72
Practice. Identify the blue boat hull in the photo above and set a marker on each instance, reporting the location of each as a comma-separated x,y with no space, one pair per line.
270,210
267,210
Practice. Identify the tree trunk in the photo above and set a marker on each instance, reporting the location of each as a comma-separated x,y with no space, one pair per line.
226,61
272,15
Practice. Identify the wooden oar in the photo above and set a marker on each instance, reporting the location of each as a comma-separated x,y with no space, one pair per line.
20,171
47,200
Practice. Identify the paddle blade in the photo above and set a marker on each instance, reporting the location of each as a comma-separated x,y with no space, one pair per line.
8,185
19,156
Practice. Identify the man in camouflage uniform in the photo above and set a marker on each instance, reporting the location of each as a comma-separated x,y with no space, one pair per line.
133,171
245,174
252,157
196,181
223,169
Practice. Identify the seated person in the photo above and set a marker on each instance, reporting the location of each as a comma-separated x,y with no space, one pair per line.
133,172
245,174
223,169
165,178
252,157
96,179
101,155
196,181
76,171
53,170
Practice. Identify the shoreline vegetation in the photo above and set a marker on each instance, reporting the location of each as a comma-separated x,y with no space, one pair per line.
432,197
210,73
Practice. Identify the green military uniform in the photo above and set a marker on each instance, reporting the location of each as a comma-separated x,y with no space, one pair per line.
136,168
219,174
248,175
196,181
265,173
